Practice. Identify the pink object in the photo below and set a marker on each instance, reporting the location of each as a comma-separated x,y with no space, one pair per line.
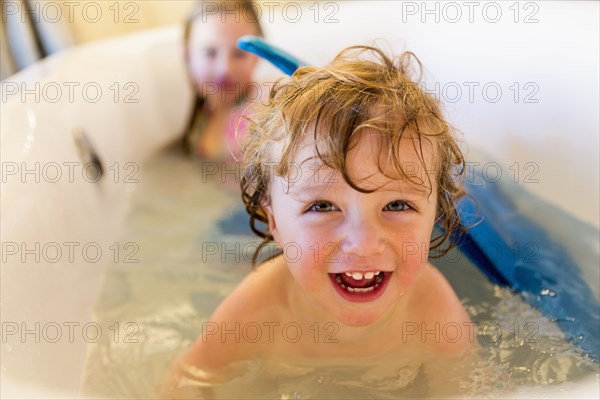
237,128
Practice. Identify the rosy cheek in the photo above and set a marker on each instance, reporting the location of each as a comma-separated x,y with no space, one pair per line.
244,72
301,251
413,256
409,270
304,255
301,265
318,248
199,70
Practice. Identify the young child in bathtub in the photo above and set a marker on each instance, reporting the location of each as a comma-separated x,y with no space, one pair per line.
347,169
221,75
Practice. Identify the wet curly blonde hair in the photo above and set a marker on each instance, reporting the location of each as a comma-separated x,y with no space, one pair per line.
361,88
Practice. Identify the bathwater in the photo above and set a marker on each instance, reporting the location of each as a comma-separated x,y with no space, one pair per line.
191,245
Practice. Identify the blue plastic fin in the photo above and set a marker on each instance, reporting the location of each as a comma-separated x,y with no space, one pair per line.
516,252
282,60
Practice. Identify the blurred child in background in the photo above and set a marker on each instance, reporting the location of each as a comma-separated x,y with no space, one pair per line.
221,75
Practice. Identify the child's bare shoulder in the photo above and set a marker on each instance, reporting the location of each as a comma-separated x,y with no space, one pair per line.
260,294
441,309
258,298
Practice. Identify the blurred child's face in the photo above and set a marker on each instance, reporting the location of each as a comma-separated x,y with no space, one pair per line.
221,71
329,231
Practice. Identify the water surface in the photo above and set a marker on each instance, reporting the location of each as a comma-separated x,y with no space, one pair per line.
195,247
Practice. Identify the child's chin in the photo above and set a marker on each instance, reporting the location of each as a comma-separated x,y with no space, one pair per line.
359,320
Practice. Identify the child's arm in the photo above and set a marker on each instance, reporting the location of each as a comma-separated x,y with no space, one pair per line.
217,354
207,363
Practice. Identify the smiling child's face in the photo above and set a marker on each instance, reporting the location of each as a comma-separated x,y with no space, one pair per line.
220,70
355,253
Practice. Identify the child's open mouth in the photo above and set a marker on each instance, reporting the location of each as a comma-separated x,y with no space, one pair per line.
360,286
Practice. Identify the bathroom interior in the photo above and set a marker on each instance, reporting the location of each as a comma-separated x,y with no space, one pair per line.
109,273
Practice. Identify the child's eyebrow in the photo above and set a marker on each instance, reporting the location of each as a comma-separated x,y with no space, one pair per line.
309,188
408,189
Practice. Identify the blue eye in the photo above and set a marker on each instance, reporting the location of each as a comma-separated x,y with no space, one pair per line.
397,205
321,206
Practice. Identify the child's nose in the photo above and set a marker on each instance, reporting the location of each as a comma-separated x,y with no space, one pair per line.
225,64
364,238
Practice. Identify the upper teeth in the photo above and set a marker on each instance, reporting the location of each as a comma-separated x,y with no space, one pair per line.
359,275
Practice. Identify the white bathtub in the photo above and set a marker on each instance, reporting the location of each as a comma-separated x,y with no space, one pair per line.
57,210
557,135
